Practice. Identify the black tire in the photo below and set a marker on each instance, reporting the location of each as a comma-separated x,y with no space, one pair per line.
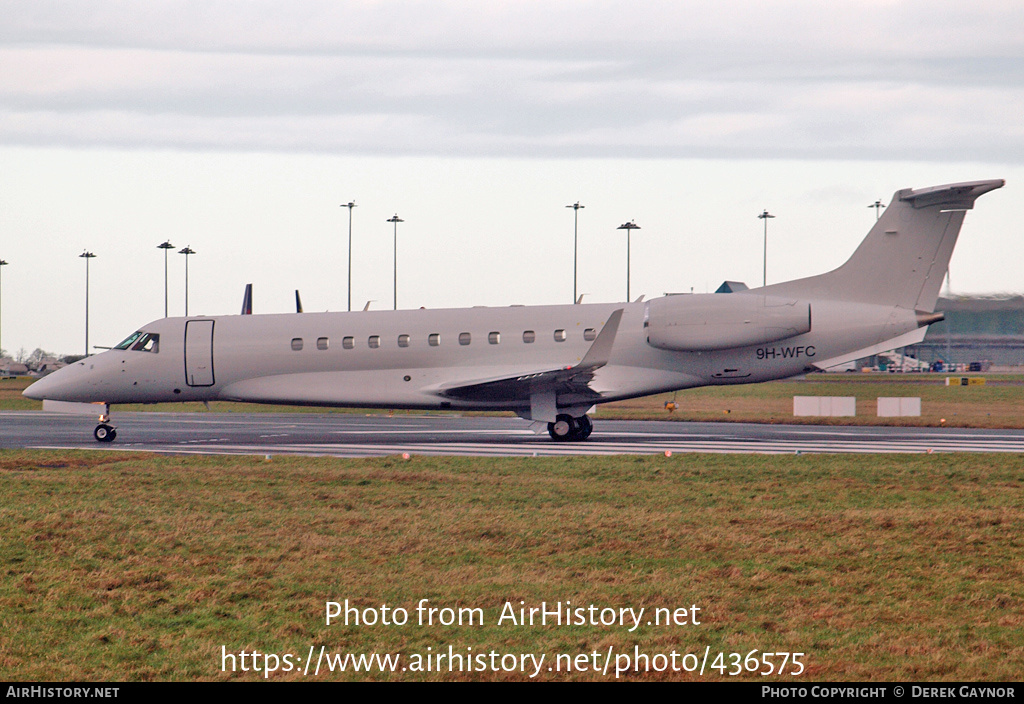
104,433
564,429
586,427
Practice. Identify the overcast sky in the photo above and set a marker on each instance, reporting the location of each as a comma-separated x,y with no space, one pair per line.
239,127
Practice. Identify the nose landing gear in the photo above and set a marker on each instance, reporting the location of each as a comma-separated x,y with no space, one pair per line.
105,432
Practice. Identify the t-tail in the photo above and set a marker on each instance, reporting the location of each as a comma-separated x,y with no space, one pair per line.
905,256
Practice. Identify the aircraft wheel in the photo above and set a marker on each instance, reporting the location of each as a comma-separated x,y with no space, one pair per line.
563,429
586,427
104,433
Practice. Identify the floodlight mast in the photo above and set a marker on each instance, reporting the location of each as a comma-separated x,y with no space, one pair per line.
186,251
3,263
628,227
351,204
576,207
87,255
765,216
165,245
395,219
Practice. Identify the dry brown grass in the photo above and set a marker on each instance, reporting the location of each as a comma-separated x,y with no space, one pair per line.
121,566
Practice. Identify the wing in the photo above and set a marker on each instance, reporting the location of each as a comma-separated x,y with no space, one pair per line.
522,386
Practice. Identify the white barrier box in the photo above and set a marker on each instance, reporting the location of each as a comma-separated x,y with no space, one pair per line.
824,406
890,407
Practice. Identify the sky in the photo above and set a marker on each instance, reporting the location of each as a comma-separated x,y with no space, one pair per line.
240,128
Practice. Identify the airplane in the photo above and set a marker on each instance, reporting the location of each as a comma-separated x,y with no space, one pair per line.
549,364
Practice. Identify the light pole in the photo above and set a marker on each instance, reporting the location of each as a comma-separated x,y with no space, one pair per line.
186,251
87,255
165,246
351,204
628,227
765,216
877,205
575,241
3,263
395,219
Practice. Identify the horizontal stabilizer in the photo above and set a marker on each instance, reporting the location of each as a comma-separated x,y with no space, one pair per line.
953,196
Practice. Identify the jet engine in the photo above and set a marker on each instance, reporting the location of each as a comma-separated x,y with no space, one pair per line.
690,323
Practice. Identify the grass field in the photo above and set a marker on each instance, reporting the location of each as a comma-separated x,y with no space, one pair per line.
123,566
998,404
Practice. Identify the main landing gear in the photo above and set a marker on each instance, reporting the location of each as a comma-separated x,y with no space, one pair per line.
569,429
104,432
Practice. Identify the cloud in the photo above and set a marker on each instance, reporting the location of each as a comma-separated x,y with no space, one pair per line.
919,80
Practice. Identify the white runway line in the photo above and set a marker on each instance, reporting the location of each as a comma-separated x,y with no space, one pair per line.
592,448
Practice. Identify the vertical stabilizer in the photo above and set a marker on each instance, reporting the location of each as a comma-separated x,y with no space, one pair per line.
904,257
247,300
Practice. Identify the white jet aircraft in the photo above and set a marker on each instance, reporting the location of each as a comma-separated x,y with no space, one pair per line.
548,364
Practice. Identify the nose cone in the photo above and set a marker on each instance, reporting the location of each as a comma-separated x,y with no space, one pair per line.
40,389
67,384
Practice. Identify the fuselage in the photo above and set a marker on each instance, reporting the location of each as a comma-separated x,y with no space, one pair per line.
414,358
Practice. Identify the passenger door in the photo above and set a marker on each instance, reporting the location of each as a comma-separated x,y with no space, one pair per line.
199,353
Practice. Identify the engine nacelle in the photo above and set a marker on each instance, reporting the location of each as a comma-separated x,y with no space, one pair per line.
721,321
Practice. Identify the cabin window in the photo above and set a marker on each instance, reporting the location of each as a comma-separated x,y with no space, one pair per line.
494,338
529,336
348,342
559,335
374,341
465,338
590,334
434,340
322,343
403,340
297,344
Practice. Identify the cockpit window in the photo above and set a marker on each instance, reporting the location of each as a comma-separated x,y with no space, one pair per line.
149,342
130,341
141,342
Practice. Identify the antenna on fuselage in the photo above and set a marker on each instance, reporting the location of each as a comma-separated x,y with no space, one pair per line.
367,306
298,302
247,300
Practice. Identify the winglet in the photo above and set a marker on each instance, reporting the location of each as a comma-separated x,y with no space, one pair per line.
247,300
601,351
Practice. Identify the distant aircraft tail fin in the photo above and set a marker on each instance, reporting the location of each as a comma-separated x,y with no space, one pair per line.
904,257
247,300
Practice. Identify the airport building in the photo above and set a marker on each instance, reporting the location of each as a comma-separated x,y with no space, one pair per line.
986,330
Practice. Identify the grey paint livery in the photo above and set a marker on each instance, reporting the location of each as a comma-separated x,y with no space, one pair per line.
547,363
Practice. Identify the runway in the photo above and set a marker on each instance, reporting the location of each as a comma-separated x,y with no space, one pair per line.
351,435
